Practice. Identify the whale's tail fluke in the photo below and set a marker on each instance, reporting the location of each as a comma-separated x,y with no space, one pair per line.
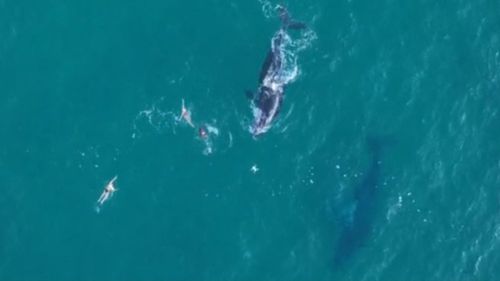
287,20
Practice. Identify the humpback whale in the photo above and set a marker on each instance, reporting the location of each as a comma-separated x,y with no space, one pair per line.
273,77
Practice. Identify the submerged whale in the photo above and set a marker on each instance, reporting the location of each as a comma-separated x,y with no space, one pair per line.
273,79
356,231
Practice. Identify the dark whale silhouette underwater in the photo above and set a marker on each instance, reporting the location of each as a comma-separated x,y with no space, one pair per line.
356,231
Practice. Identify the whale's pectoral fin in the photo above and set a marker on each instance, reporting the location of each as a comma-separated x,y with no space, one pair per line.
250,95
266,65
297,25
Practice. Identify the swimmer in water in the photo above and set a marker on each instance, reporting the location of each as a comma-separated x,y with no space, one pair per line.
202,132
108,192
186,115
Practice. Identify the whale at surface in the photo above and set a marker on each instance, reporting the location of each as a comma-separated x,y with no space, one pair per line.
275,74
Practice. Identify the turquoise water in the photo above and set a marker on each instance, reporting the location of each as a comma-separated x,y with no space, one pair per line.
90,90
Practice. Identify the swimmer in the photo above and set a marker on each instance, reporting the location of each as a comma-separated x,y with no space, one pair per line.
186,115
204,135
108,192
202,132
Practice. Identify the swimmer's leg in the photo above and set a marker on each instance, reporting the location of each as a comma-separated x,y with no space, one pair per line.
99,201
104,197
183,110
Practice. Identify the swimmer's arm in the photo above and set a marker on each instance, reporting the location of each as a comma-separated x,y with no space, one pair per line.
113,180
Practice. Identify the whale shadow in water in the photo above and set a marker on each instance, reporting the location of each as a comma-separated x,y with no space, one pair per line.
356,230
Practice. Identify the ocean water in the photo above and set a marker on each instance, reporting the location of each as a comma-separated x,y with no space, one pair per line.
384,163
